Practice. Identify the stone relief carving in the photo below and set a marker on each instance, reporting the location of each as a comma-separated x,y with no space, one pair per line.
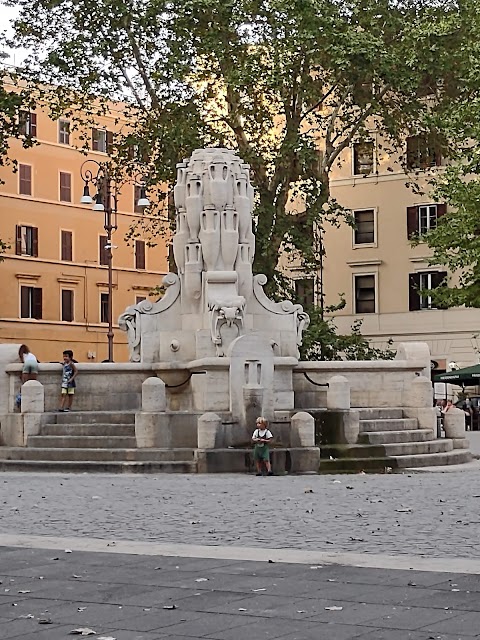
226,311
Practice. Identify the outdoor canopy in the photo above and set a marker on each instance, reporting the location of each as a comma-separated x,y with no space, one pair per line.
469,376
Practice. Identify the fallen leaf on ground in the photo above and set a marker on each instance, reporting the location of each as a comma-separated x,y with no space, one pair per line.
83,631
170,606
333,608
45,621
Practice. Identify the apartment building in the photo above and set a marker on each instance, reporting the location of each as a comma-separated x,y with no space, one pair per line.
54,276
374,265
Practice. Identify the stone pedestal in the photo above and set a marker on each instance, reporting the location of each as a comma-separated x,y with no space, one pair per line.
338,393
454,425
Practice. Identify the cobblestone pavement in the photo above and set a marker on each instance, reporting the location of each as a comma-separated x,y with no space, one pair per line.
434,515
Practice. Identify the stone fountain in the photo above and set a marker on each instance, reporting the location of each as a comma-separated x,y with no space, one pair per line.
223,349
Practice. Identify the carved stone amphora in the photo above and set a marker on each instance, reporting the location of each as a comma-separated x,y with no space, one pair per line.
229,237
194,205
218,174
180,239
243,267
179,191
210,236
192,279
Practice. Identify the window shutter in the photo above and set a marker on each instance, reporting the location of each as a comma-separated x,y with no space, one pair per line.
441,210
34,242
94,140
18,240
109,142
24,299
102,252
437,278
33,125
139,254
25,175
413,295
37,304
412,222
67,253
65,186
67,305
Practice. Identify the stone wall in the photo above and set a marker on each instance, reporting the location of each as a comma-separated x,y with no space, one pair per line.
372,383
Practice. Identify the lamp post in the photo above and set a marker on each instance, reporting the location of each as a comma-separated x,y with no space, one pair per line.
106,199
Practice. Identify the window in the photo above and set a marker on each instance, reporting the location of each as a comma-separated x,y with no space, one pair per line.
363,158
421,218
102,250
364,294
139,254
419,285
64,131
139,299
364,232
26,241
104,307
31,302
65,187
102,140
27,124
304,291
67,248
67,305
422,152
25,179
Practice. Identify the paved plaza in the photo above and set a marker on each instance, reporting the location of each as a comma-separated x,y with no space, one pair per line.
227,557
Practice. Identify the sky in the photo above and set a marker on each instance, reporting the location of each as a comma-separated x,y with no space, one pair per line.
7,14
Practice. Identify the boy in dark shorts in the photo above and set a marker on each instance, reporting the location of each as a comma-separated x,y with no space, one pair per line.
261,438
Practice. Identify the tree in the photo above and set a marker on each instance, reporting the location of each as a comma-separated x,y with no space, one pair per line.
455,242
290,84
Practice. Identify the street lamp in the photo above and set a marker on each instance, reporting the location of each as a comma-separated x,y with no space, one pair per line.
106,199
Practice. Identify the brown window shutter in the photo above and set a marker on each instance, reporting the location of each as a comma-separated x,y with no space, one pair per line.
437,279
25,174
109,142
94,140
441,209
413,295
139,254
65,186
18,240
24,299
33,125
37,304
412,222
67,305
102,252
67,253
34,242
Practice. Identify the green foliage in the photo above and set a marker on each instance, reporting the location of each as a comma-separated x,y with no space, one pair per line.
268,78
455,243
3,247
321,341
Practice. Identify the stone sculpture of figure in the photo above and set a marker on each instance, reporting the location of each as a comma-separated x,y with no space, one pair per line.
129,322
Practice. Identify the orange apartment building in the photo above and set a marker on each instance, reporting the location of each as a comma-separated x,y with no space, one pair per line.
53,279
375,266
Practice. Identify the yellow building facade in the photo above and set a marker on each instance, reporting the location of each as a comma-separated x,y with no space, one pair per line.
54,276
375,266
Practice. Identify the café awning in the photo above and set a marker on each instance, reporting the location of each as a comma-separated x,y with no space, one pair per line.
469,376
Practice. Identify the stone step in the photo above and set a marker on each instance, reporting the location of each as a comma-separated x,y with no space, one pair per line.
388,424
382,413
383,463
97,467
82,442
388,450
92,417
93,455
98,429
391,437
